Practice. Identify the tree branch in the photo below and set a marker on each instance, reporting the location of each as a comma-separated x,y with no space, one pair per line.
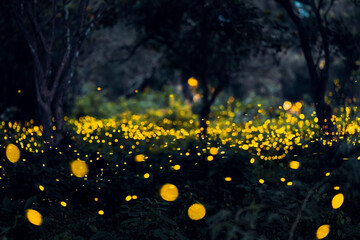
303,206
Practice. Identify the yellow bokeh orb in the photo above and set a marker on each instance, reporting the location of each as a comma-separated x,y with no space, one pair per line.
192,82
101,212
169,192
34,217
214,151
12,153
196,211
294,164
337,201
62,203
322,231
177,167
139,158
79,168
287,105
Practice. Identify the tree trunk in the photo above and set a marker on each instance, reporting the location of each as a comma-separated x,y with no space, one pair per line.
203,118
59,122
46,121
52,117
185,86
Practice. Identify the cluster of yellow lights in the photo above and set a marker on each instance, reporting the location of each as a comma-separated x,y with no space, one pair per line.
271,139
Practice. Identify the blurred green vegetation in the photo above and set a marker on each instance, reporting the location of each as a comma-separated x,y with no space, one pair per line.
246,195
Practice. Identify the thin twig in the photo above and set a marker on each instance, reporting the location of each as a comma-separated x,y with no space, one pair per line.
303,206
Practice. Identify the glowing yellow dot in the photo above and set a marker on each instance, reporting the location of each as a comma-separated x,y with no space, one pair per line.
12,153
169,192
261,181
62,203
322,231
336,188
177,167
96,199
287,105
245,147
282,179
79,168
128,198
337,201
289,183
196,211
41,187
140,158
34,217
134,197
146,175
228,179
214,151
98,88
210,158
192,82
327,174
101,212
294,164
252,160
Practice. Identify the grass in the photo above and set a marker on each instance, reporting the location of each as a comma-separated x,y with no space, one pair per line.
258,169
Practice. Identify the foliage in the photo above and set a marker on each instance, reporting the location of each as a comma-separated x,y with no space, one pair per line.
248,187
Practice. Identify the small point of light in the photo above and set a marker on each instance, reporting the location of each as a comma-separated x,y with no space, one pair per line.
101,212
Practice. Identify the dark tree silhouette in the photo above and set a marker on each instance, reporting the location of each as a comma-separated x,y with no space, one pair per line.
54,31
207,40
318,66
